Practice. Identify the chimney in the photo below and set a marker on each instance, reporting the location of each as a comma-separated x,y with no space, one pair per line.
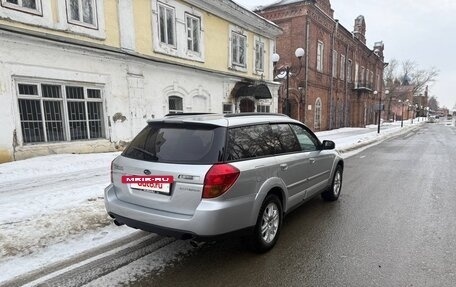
360,29
378,49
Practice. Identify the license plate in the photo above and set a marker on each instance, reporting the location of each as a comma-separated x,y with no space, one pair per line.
152,187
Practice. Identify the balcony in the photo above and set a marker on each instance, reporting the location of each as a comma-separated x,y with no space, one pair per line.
363,85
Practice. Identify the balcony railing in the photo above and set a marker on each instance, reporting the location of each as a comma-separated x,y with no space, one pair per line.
363,86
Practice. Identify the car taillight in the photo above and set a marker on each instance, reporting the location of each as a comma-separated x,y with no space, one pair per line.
219,179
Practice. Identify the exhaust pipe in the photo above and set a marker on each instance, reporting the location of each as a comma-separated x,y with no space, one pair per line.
117,223
196,244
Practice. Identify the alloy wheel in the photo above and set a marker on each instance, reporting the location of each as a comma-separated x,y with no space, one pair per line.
337,183
270,222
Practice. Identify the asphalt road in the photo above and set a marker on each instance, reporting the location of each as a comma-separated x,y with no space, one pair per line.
394,225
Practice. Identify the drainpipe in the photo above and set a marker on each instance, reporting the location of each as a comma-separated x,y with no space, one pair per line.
331,101
307,72
14,144
347,50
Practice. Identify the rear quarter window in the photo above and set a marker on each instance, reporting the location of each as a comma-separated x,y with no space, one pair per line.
250,142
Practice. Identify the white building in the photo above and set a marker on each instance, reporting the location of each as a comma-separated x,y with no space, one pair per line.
89,85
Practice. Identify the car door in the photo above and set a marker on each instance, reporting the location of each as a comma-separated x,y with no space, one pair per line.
293,164
320,161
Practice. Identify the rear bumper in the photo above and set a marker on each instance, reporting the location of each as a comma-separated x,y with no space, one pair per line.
212,218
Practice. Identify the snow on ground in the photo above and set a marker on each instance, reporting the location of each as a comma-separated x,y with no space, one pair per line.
152,263
53,165
52,206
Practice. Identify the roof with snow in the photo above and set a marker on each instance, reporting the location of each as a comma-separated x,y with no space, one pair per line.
279,3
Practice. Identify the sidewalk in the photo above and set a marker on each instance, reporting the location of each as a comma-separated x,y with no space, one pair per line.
352,139
52,207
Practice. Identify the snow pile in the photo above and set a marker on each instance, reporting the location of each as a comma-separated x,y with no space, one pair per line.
42,230
48,201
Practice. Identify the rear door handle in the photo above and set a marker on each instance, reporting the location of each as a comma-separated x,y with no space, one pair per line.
284,166
312,160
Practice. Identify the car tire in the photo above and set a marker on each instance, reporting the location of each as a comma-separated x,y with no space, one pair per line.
333,191
267,228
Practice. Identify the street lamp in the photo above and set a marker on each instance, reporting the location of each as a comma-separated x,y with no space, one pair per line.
419,111
380,108
410,108
413,108
299,53
402,112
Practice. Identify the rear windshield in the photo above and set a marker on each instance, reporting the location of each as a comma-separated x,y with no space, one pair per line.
178,143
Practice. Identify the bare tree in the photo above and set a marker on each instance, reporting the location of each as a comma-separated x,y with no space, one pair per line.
419,78
390,73
391,83
408,73
433,103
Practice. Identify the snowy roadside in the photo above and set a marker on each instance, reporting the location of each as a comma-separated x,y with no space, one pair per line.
52,207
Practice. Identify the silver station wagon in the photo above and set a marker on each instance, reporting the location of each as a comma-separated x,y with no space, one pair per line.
214,175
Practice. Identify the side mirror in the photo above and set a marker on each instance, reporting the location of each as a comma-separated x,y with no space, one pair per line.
328,145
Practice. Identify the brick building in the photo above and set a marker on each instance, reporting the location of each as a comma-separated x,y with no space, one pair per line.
333,84
401,103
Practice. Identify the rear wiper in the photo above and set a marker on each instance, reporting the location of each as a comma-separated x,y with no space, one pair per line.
154,157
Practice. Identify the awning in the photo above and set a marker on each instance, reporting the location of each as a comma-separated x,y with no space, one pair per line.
259,91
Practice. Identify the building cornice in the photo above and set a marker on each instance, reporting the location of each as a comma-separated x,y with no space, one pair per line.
238,15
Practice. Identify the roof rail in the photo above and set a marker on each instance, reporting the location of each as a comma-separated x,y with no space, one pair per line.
254,114
188,114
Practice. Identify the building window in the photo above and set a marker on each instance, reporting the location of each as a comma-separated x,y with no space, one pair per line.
317,115
54,112
363,71
378,82
259,56
342,67
193,33
238,49
227,108
178,30
175,105
356,73
349,71
247,105
29,6
82,12
320,50
371,78
263,109
334,64
167,27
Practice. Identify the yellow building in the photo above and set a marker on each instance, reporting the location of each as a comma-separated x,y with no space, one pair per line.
85,75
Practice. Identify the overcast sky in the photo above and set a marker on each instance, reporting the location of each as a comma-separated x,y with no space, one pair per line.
419,30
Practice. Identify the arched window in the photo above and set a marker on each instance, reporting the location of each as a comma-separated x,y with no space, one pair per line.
317,115
175,105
